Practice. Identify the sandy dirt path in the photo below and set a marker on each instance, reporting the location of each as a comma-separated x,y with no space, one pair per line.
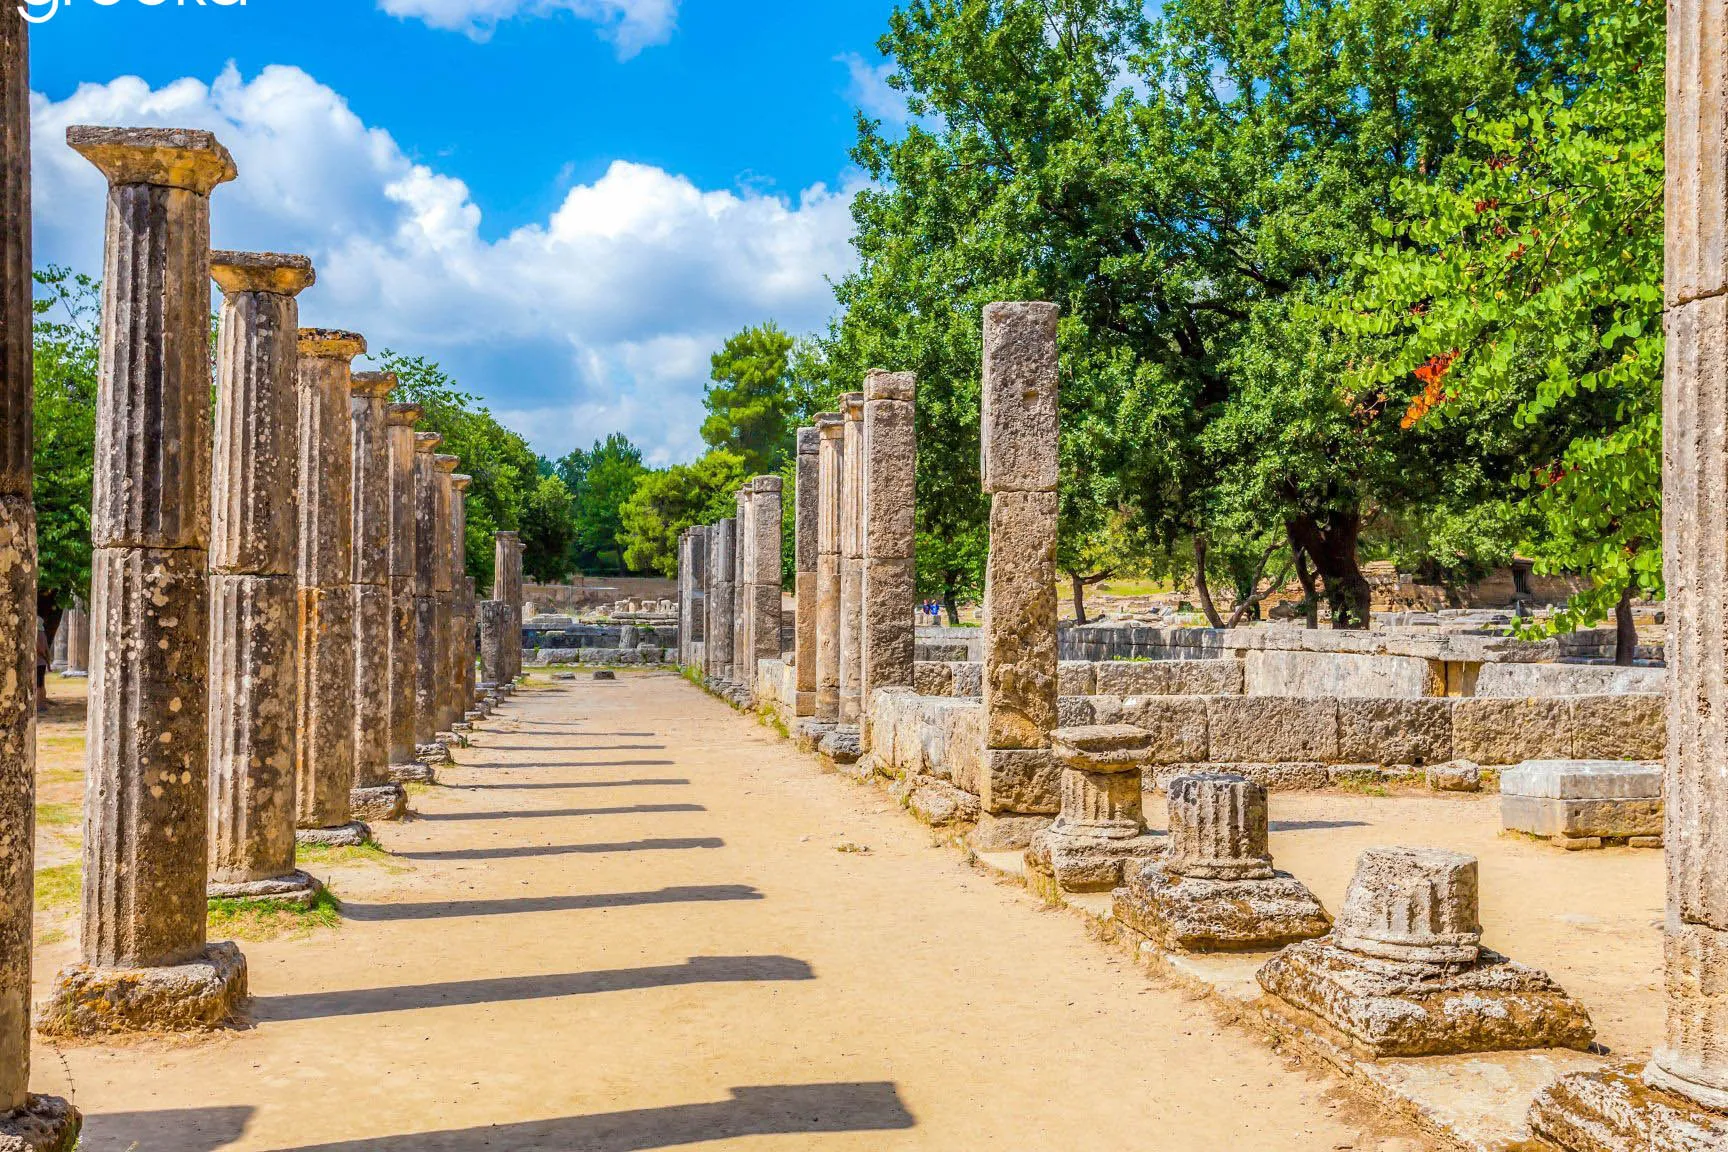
637,920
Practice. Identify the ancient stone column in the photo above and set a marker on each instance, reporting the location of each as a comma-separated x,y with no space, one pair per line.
375,795
470,648
404,631
685,597
39,1122
1690,1071
507,587
78,641
852,559
254,593
428,559
57,649
324,762
831,459
888,594
147,806
1218,828
1018,785
721,540
807,482
494,625
698,592
742,674
1101,826
766,529
444,596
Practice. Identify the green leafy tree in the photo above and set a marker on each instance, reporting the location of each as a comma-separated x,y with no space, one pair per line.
601,480
548,528
67,353
751,400
669,500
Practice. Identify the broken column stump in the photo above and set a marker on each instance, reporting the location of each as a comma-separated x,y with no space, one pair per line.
1100,827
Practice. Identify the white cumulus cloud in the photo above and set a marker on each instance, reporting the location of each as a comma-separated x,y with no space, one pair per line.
868,89
599,318
631,25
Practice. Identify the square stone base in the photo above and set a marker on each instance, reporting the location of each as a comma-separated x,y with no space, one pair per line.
1199,915
202,995
935,802
1006,831
434,753
809,733
1085,863
385,802
843,745
1615,1111
424,772
45,1124
1379,1008
1581,819
296,888
342,836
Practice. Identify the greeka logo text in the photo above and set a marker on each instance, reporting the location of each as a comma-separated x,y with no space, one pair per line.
42,11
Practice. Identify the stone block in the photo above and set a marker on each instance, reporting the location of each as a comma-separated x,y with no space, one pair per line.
199,995
968,678
1615,1111
1286,776
1022,781
1075,678
933,679
1394,731
1020,621
1075,711
1177,726
1206,915
1583,780
1270,729
963,741
1619,727
1169,678
1020,421
1337,674
1581,819
1454,776
1510,731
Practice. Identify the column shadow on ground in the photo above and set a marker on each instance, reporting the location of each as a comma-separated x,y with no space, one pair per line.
1313,825
544,813
169,1130
491,747
568,764
555,784
529,728
670,844
688,894
499,989
788,1109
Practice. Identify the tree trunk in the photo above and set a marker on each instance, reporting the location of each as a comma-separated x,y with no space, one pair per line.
1079,587
1330,545
1305,577
1201,588
950,603
1625,631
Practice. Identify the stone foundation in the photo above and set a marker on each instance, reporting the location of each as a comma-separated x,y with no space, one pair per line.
385,803
343,836
843,744
205,994
999,833
1194,914
1615,1111
1574,801
297,888
46,1124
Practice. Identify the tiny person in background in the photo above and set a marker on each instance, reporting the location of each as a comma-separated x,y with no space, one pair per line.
43,651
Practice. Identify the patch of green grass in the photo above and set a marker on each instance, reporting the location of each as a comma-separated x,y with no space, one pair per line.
370,852
63,776
52,936
271,919
58,888
771,718
1362,787
59,815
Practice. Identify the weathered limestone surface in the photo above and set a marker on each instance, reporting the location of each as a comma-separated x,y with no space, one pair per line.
1404,973
146,819
851,528
27,1123
375,796
1100,827
805,518
78,641
495,640
742,670
324,762
888,593
426,564
765,563
444,590
507,588
254,545
1615,1111
1583,799
404,653
458,640
199,994
831,459
722,559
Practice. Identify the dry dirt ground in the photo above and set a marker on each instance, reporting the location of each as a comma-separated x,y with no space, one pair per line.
635,919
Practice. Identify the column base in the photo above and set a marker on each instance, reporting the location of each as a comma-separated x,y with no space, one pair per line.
45,1124
808,733
1086,863
843,744
463,725
436,752
418,773
385,802
451,739
1005,831
206,994
71,674
351,835
1191,914
1614,1110
804,704
605,674
297,888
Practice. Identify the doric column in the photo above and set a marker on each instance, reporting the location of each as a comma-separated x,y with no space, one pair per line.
254,597
889,468
53,1122
444,594
494,625
831,459
375,795
461,650
851,559
147,805
684,597
766,529
743,672
324,762
428,559
507,586
78,641
805,494
698,614
1018,787
720,566
404,633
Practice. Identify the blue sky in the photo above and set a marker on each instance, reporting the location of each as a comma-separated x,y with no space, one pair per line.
568,202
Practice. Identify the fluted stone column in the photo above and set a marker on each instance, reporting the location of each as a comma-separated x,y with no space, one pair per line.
1019,785
698,612
743,673
37,1122
507,587
254,593
852,559
444,594
78,641
404,653
1219,828
806,482
57,650
462,632
1101,828
1690,1070
146,962
428,559
766,530
375,795
324,763
685,597
721,540
831,459
889,642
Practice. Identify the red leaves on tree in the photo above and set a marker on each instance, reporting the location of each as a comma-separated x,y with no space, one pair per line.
1432,377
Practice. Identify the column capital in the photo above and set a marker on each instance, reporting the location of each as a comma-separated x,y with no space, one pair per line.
852,406
169,157
426,443
372,384
766,484
460,483
884,385
507,534
330,344
402,415
830,425
278,273
446,464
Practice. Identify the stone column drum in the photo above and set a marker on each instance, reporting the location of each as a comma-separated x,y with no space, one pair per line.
766,533
699,590
685,597
324,763
507,587
1018,784
146,962
831,461
1679,1099
404,631
743,674
33,1123
494,625
721,540
375,795
851,558
889,642
461,616
807,480
427,561
254,593
444,597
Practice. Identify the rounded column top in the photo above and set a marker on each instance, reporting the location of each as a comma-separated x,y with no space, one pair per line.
427,442
278,273
447,464
170,157
460,482
331,344
372,384
402,415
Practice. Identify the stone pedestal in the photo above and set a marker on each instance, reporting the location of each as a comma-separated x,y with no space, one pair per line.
324,761
1216,889
1101,826
375,795
1019,439
147,808
1584,803
404,633
1404,972
27,1123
